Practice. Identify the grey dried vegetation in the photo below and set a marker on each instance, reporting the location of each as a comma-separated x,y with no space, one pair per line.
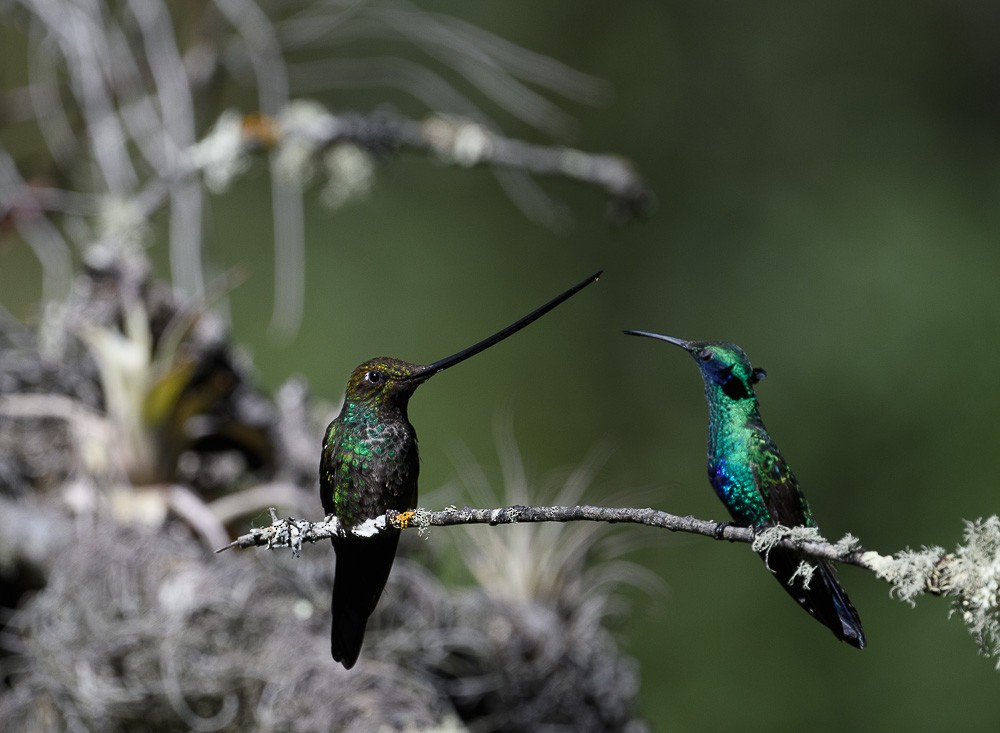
133,436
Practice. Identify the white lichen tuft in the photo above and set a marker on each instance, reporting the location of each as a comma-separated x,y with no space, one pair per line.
766,539
370,527
973,574
909,571
847,544
806,571
422,521
350,174
295,161
308,121
421,518
221,155
304,129
458,140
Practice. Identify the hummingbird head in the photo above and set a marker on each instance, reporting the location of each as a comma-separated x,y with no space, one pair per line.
384,379
723,364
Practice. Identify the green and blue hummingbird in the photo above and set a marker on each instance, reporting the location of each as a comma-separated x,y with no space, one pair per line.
752,478
369,465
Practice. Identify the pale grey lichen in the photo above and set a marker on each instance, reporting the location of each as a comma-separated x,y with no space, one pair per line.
806,571
972,574
908,570
766,539
304,128
370,527
422,521
458,140
221,155
847,544
350,174
295,161
307,120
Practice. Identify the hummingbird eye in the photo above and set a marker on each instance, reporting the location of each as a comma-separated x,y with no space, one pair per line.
374,376
705,354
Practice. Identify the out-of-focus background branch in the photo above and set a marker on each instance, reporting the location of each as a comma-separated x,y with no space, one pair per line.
116,99
825,181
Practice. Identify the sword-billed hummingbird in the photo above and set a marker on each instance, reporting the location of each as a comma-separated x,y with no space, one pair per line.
750,475
369,465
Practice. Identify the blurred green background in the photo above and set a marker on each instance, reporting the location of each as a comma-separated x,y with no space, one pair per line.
828,178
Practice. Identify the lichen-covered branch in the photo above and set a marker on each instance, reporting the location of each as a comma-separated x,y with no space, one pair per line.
293,532
970,575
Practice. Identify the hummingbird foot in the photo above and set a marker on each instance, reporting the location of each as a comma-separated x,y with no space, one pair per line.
720,528
402,520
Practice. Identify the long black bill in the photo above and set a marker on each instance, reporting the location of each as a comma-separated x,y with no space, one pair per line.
686,345
450,361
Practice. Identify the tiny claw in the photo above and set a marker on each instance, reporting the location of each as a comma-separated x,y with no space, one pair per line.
231,545
720,528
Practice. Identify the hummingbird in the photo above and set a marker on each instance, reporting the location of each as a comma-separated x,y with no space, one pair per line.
753,480
369,465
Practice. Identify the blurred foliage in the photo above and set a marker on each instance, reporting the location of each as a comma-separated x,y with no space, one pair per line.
136,631
827,177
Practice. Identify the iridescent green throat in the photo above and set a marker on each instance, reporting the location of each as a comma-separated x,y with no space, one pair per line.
362,437
733,452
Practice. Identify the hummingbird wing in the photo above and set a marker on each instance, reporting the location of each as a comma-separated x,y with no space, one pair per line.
777,485
824,598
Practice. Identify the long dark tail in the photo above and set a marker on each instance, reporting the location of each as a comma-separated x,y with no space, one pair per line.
363,567
825,599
